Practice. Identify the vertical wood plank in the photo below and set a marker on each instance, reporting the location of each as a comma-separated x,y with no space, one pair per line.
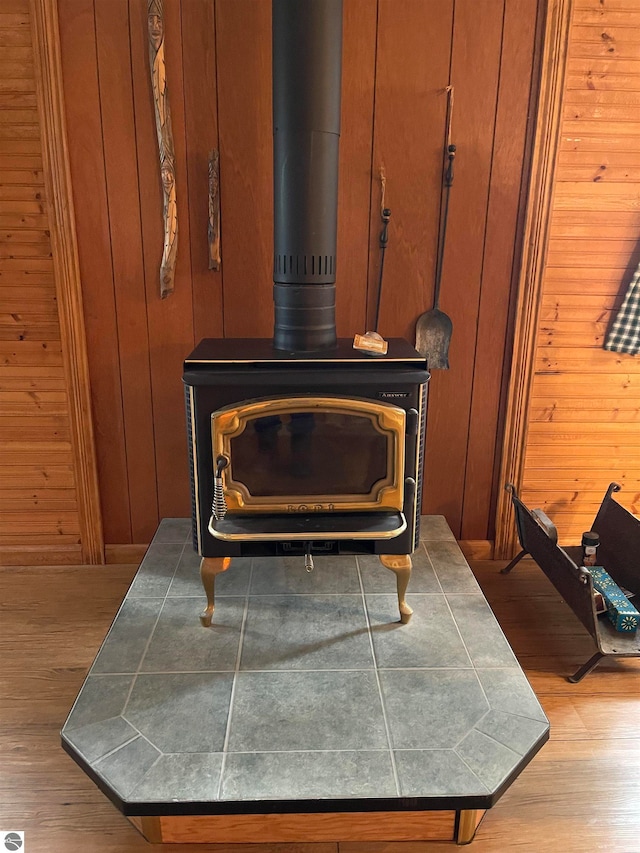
475,63
170,320
84,124
530,286
573,449
64,249
500,239
410,107
355,168
116,102
201,118
223,50
243,38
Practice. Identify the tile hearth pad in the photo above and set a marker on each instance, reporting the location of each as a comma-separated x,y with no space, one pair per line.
305,689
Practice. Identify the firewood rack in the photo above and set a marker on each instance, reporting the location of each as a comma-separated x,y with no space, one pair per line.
618,552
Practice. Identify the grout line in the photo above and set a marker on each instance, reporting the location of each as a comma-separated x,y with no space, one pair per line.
473,729
384,749
115,749
377,675
150,638
495,740
465,668
433,568
471,770
227,734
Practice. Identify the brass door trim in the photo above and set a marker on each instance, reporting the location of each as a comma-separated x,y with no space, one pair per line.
387,419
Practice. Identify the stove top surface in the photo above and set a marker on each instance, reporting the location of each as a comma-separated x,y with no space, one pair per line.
261,350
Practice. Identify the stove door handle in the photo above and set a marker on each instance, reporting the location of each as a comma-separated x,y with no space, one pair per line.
219,506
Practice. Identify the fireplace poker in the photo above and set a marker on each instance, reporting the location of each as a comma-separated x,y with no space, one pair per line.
373,342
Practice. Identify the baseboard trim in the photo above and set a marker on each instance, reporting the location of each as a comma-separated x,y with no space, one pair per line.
40,555
477,549
119,554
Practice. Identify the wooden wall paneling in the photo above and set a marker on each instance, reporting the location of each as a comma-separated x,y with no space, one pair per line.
529,303
243,56
500,242
170,320
475,65
598,252
201,121
45,400
84,126
359,184
132,339
580,428
410,108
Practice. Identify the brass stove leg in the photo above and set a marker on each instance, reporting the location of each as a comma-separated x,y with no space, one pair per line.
401,565
209,568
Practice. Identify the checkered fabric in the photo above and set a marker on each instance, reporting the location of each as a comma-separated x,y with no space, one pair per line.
624,335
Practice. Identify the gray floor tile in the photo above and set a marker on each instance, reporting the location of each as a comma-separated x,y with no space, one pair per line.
181,644
97,739
435,528
435,773
430,639
183,712
518,733
273,575
451,567
480,631
173,530
431,709
306,711
491,761
124,768
321,775
376,578
101,697
156,570
235,581
127,640
181,778
306,632
508,690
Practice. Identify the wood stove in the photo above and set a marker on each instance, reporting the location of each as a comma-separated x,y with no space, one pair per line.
301,444
316,454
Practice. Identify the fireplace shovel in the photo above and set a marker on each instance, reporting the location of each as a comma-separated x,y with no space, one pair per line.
434,327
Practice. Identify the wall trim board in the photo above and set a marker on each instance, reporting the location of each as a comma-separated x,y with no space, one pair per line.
536,238
477,549
40,555
124,554
57,175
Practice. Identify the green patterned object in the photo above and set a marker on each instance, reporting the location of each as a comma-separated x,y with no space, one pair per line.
621,612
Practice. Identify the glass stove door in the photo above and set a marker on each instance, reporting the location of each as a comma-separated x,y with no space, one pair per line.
311,454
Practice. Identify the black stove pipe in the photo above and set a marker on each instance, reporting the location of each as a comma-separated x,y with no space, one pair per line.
307,67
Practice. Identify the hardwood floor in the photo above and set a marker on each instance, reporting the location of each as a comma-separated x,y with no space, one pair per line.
581,793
